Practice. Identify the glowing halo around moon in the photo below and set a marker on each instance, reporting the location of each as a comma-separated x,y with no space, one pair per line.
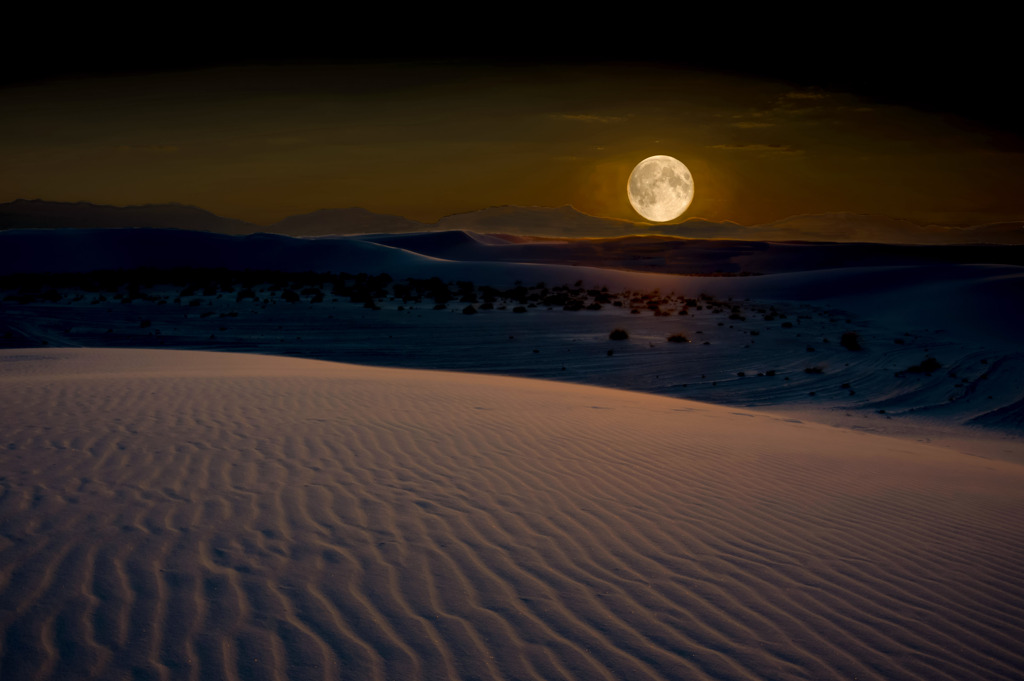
660,188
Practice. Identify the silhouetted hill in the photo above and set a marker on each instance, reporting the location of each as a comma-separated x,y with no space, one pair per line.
675,255
566,221
87,250
458,255
832,227
537,221
345,221
527,222
36,214
881,229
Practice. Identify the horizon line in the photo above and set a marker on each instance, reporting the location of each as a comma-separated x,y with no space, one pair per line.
637,222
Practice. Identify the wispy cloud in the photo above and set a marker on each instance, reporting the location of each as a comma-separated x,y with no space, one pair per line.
149,148
758,148
799,107
286,140
753,124
804,95
587,118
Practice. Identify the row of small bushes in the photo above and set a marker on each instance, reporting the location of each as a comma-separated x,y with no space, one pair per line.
622,334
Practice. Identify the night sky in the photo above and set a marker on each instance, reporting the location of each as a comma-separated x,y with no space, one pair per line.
911,121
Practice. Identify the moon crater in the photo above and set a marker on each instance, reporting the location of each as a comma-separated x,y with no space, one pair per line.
660,188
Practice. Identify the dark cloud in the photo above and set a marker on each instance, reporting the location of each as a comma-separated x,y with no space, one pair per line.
759,148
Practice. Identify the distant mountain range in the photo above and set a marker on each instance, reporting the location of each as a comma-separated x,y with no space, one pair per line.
35,214
564,222
345,221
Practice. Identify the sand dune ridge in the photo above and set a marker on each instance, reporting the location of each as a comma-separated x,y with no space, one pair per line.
261,517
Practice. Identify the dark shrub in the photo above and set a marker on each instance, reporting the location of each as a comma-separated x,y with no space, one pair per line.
519,309
814,370
618,334
850,341
929,365
678,338
469,309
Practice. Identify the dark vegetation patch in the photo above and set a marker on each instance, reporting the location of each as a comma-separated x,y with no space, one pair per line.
851,341
927,366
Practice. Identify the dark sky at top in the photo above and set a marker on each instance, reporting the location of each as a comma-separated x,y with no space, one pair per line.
963,63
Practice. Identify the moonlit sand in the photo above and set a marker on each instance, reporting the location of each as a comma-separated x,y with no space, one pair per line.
170,514
180,513
753,338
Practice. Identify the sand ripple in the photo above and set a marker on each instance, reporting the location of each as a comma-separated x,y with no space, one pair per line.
171,515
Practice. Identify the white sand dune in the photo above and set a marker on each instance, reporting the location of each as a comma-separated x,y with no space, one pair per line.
923,293
965,316
185,515
24,251
974,302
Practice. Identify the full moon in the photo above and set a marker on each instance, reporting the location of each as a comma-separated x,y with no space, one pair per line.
660,188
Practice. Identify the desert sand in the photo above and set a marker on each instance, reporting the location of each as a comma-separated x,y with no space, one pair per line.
753,339
184,515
